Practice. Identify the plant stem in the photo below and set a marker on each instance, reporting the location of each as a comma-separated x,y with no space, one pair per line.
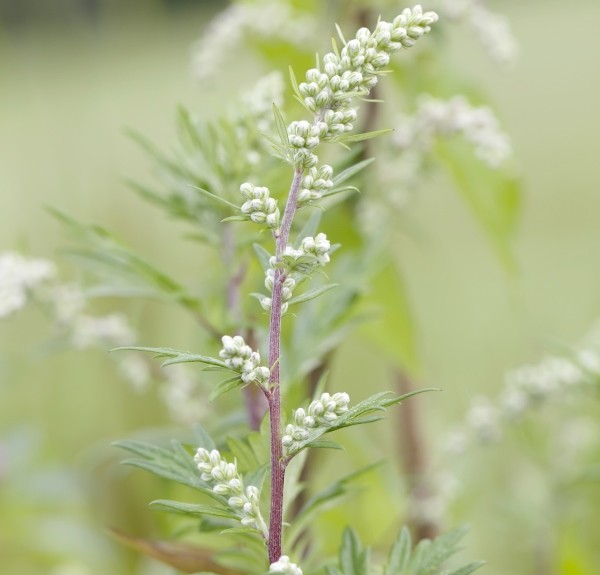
274,394
414,456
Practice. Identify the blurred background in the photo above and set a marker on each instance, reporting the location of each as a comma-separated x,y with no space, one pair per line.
75,74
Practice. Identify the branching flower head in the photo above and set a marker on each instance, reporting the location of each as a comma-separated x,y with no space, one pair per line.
241,358
321,413
225,480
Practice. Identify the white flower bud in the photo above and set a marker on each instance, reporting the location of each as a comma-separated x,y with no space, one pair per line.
258,217
331,69
299,416
311,104
381,60
272,220
353,47
415,32
248,521
246,189
235,484
221,489
363,35
236,502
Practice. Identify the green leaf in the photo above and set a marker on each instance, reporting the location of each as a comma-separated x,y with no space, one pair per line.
324,444
327,497
281,128
467,569
295,87
351,171
193,509
493,196
311,294
216,198
399,556
263,256
354,560
225,386
393,328
360,137
175,355
235,219
174,464
310,227
203,439
239,530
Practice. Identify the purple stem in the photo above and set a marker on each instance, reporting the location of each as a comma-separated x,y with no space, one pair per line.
278,464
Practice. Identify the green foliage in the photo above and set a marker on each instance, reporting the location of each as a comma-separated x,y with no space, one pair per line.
426,558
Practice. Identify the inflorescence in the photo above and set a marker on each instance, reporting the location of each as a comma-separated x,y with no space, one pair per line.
321,413
225,480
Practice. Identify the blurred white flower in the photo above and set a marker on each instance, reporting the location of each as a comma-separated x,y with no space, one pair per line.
68,301
262,19
112,330
135,370
492,29
435,118
483,418
18,276
181,395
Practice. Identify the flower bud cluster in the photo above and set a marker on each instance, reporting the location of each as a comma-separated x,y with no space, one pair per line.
289,283
318,247
285,566
304,137
259,206
434,117
322,412
311,253
226,481
314,183
354,71
239,357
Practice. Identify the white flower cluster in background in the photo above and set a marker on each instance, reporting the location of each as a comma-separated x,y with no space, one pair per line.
435,117
26,281
258,100
19,276
182,394
322,412
243,20
492,29
241,358
225,480
285,566
562,380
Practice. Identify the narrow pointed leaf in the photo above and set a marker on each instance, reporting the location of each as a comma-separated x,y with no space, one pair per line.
225,386
192,509
311,294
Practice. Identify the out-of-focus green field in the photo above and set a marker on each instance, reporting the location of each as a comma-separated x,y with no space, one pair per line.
69,87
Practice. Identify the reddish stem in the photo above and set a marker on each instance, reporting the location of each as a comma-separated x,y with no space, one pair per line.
273,395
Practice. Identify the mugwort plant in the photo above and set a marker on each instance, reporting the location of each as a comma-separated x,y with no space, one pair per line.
236,478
